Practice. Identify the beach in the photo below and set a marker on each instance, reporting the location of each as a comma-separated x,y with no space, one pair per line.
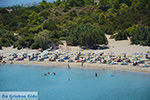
128,68
116,48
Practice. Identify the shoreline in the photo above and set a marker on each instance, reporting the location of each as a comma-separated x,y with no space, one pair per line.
127,68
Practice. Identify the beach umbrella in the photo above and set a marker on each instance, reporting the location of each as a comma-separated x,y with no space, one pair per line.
139,56
134,59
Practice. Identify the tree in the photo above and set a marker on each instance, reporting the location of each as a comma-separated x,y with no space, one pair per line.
44,4
139,4
50,25
123,8
45,14
86,35
131,30
141,36
121,36
7,38
44,40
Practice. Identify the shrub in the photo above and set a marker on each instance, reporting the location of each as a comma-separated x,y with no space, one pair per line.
121,36
86,35
5,42
62,38
19,47
44,40
141,36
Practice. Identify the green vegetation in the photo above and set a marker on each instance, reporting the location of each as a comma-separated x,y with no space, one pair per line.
141,36
120,36
7,38
86,35
44,40
46,24
0,46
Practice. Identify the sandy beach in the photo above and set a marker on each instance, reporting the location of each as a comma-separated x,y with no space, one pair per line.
115,47
128,68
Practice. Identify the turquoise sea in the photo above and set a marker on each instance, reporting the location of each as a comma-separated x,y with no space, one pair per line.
75,84
6,3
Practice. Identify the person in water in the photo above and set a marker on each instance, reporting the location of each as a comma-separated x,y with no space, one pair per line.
48,72
54,73
68,79
96,74
82,63
45,74
69,66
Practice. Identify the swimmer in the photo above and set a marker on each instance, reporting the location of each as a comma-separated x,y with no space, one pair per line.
45,74
112,75
54,73
68,66
68,79
48,72
96,74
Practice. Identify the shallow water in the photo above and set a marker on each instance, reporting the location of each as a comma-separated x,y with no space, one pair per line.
83,85
5,3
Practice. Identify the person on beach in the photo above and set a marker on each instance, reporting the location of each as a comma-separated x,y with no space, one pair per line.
96,74
69,66
4,62
82,63
1,58
11,62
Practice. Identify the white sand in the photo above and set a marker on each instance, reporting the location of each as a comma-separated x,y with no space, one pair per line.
123,46
116,47
87,65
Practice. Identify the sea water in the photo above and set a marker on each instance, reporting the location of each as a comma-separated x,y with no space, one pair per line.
5,3
75,83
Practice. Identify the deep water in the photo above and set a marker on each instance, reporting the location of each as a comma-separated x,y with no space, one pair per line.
75,84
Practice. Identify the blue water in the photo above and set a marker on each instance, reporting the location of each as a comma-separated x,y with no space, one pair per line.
5,3
109,85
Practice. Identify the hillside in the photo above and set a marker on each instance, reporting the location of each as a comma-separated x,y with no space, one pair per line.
46,24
